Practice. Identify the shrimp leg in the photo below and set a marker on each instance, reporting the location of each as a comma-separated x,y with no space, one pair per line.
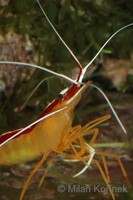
46,170
96,162
31,175
119,162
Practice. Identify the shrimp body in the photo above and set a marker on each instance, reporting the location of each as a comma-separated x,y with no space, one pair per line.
54,131
46,136
30,146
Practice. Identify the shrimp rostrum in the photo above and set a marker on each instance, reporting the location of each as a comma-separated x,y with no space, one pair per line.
53,133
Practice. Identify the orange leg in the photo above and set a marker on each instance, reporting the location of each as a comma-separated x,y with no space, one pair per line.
86,130
79,132
96,162
80,144
31,175
76,137
106,168
46,170
119,162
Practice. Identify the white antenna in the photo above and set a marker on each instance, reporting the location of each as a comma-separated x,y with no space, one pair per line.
72,54
86,67
110,105
42,68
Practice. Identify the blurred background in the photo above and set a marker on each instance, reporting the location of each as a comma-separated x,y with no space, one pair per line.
26,36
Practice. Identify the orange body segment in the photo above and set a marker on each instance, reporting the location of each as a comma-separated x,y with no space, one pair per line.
45,137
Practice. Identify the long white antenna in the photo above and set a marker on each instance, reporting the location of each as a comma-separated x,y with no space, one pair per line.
110,105
86,67
70,51
42,68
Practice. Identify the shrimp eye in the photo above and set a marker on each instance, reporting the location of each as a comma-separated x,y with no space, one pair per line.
60,96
